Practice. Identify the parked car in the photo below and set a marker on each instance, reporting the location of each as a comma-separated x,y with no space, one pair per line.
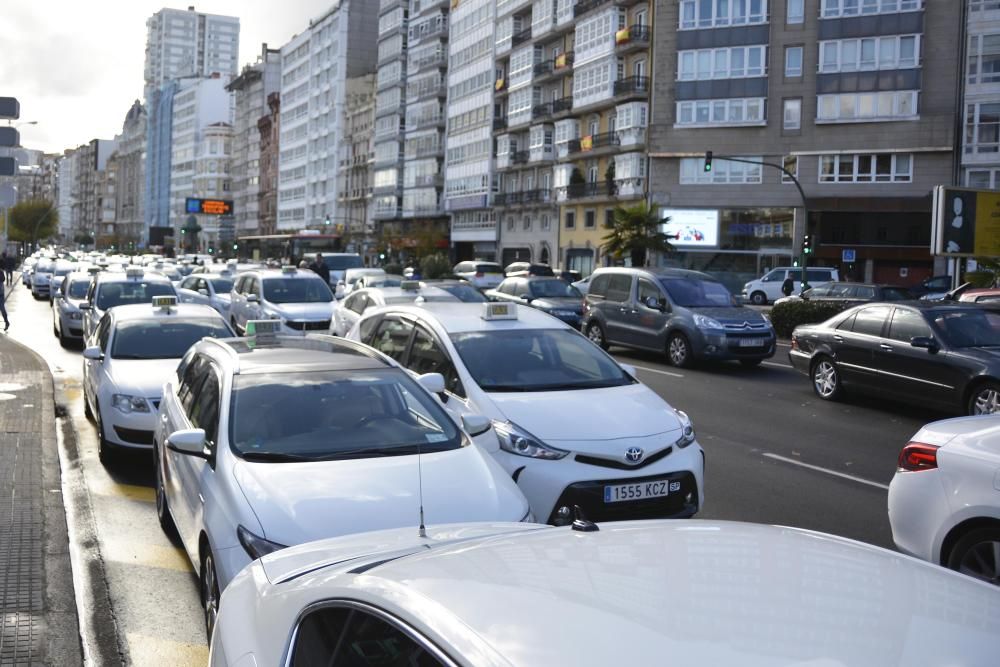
359,301
67,318
352,276
550,295
299,299
767,288
482,275
944,505
685,315
986,295
939,354
934,287
850,293
460,289
523,269
119,288
40,276
635,593
569,276
339,263
210,289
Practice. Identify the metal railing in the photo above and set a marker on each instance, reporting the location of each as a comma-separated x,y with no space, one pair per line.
633,84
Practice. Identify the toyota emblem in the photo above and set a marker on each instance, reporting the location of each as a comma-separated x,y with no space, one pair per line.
633,454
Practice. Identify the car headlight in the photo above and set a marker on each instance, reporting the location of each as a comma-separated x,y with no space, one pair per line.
125,403
517,441
687,429
562,313
705,322
76,316
255,545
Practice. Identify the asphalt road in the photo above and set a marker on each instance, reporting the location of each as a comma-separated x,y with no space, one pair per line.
775,454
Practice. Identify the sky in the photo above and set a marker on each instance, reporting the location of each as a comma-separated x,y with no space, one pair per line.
76,67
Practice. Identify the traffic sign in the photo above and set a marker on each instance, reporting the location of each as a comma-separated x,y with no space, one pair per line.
847,255
9,136
8,196
8,166
10,108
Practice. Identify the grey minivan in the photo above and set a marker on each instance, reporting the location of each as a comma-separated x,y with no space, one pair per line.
686,315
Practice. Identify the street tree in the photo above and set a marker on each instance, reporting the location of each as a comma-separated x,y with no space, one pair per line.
634,232
32,220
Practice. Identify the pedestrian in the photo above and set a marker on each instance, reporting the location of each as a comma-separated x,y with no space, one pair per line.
320,268
7,265
3,296
788,286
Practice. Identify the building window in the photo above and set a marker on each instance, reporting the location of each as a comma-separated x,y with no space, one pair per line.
792,116
735,62
896,105
984,58
723,172
544,223
589,219
983,5
984,179
749,111
869,53
982,128
836,8
796,11
791,164
526,223
877,168
717,13
570,220
793,61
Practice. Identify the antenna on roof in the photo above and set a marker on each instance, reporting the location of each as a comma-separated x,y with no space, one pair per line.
422,530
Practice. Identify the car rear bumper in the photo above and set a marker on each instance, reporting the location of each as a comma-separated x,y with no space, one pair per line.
918,511
800,361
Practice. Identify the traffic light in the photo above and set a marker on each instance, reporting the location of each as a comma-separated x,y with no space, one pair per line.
235,246
795,263
807,244
708,161
327,221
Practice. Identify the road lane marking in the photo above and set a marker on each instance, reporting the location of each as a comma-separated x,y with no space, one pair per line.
780,344
147,650
656,370
775,364
148,555
130,491
835,473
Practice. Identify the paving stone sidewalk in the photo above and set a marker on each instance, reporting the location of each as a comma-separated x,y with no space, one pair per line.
38,620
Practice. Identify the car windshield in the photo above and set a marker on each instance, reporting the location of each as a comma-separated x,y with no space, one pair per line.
696,293
297,290
78,289
342,262
488,268
163,339
114,294
553,289
326,415
221,284
536,360
465,293
968,327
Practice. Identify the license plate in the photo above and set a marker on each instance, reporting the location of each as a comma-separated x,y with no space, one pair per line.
751,342
623,492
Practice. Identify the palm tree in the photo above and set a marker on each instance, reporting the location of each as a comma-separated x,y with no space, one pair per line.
635,231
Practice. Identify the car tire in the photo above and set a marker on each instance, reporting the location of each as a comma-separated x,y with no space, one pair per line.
679,350
974,552
984,399
595,333
162,509
63,340
88,413
104,453
751,363
826,379
209,587
758,298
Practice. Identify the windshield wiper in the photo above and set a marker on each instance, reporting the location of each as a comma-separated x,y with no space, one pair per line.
375,452
275,457
503,387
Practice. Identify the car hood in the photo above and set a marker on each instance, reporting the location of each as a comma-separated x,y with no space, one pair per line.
143,377
301,502
589,415
731,314
561,303
303,311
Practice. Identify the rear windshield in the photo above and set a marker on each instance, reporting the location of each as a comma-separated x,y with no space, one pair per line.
695,293
110,295
465,293
163,339
553,289
342,262
488,268
297,290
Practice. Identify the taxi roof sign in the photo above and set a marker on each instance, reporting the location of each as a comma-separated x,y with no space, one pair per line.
288,268
409,285
262,331
134,272
499,311
165,302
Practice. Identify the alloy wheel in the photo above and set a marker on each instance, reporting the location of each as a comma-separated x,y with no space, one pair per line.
825,379
987,401
595,334
982,561
678,351
209,594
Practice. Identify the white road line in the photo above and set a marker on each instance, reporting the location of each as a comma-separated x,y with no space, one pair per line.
780,344
775,364
778,457
657,370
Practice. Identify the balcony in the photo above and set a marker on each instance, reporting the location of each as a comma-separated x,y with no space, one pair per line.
536,196
519,157
594,142
427,181
543,68
541,111
633,38
521,37
507,198
562,105
633,85
584,6
558,66
586,190
435,120
436,60
499,124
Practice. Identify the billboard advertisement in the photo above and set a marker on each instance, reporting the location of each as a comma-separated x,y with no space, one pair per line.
695,228
208,206
966,222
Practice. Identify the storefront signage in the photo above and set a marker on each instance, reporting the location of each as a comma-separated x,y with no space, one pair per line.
847,255
208,206
692,227
966,222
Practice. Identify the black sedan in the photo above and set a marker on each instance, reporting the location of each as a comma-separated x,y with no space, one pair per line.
940,354
552,295
850,293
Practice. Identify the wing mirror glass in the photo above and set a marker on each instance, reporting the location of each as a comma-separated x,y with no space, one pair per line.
93,353
189,441
925,342
476,424
202,291
85,306
253,298
432,382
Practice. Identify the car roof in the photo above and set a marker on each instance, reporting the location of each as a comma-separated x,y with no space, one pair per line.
658,272
701,592
460,317
281,273
148,276
145,311
426,290
295,354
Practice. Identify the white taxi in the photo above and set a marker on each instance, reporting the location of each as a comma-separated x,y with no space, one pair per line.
358,301
118,288
210,289
300,301
265,442
134,350
573,426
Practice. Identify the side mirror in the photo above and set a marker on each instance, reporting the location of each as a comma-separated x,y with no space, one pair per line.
85,306
93,353
432,382
189,441
628,368
926,342
653,302
476,424
339,291
202,291
253,298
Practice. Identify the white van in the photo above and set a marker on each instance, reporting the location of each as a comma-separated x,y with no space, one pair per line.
768,288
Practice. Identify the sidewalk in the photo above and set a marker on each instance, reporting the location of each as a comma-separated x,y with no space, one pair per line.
38,619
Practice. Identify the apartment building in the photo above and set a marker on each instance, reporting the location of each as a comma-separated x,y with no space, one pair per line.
128,166
356,154
858,98
980,160
250,92
268,127
65,169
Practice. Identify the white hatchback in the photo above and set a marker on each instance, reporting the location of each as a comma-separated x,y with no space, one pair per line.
712,593
299,300
572,426
944,501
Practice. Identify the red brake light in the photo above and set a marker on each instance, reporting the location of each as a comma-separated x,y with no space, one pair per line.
917,456
795,342
480,274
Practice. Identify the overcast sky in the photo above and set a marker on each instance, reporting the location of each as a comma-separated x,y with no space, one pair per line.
76,67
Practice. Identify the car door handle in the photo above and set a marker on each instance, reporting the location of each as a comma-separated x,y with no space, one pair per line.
887,348
838,339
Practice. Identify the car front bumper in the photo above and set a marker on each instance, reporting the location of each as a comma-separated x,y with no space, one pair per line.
726,346
132,430
70,328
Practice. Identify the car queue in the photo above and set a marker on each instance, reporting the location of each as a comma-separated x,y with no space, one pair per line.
359,436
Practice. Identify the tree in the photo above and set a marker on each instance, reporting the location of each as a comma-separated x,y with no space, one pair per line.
634,231
32,220
83,239
435,266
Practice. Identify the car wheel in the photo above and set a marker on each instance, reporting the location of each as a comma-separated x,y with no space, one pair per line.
751,363
88,413
678,350
758,298
977,554
63,340
162,510
209,592
595,332
104,453
826,379
985,399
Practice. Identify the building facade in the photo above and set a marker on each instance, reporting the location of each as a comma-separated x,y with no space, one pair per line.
88,189
65,171
268,128
857,99
250,92
129,162
315,65
357,152
980,159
